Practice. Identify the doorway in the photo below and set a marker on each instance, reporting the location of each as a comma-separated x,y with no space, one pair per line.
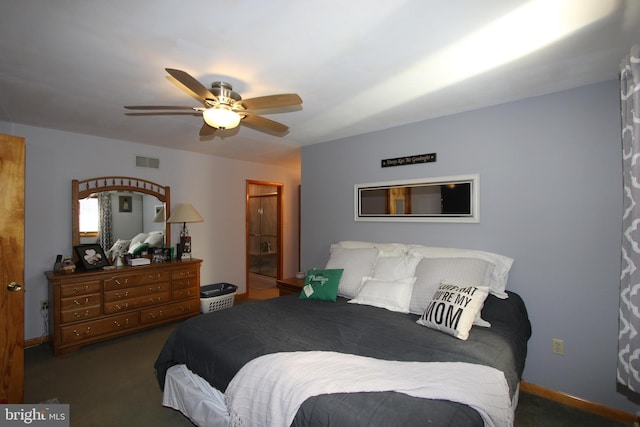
12,174
264,238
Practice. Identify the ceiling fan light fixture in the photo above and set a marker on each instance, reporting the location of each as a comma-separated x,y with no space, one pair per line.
221,117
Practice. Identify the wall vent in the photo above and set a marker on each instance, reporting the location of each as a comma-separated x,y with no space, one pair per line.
147,162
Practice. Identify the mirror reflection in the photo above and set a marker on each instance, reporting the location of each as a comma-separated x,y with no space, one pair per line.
119,213
447,199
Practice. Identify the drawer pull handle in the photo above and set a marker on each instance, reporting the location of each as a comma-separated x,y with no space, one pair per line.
76,290
120,283
75,331
126,305
159,299
86,301
78,315
153,316
126,294
158,289
118,324
181,309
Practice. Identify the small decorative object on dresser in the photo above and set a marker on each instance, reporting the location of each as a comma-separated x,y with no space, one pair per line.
91,256
90,306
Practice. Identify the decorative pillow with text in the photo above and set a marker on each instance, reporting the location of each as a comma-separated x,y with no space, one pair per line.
454,308
321,285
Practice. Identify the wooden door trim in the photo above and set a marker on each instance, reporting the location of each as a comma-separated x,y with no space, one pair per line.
280,198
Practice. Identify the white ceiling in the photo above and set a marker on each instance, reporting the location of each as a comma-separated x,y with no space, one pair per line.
359,66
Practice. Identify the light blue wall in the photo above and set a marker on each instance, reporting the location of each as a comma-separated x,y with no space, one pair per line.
551,198
215,186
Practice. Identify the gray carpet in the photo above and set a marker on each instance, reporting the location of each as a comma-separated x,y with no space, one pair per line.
113,384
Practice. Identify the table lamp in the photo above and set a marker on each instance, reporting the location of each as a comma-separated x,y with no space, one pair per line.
184,213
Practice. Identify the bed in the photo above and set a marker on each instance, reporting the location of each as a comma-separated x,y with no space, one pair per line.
389,307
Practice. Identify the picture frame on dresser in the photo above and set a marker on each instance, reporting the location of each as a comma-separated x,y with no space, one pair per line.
91,256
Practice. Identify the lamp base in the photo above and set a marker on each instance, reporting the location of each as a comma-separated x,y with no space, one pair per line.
185,246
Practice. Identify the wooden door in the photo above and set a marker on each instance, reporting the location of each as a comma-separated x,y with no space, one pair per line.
12,155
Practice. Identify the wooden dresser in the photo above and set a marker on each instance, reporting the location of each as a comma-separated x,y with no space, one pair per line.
91,306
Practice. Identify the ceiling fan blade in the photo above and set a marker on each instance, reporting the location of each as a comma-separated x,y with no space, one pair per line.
166,113
157,107
271,101
191,83
207,130
262,122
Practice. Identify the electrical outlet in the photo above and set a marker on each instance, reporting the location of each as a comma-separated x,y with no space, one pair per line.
557,346
44,305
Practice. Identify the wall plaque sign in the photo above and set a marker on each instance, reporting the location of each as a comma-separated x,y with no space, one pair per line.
409,160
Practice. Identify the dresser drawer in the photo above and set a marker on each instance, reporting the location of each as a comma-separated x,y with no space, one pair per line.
88,330
84,313
122,294
154,277
187,273
72,289
80,301
170,311
135,303
184,283
190,292
120,282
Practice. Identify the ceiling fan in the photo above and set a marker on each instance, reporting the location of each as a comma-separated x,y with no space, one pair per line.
222,107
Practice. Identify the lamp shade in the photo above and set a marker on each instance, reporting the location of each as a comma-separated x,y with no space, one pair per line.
221,117
185,213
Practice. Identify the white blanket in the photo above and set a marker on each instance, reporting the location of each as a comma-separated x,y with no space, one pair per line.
270,389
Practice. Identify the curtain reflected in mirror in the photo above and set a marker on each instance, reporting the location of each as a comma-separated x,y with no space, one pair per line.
105,221
446,199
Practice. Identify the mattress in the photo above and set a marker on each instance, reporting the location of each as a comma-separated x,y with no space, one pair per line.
215,346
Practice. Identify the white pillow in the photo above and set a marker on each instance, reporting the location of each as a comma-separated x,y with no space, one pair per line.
453,309
395,268
118,248
430,272
392,295
356,264
155,239
386,249
499,276
134,246
139,238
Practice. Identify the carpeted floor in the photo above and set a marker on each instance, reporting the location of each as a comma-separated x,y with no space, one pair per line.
113,384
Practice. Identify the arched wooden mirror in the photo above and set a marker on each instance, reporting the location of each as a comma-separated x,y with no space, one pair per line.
136,206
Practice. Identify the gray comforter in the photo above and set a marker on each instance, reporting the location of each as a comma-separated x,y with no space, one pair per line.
216,345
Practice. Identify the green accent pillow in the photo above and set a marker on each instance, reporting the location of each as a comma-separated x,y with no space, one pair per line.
137,251
321,284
